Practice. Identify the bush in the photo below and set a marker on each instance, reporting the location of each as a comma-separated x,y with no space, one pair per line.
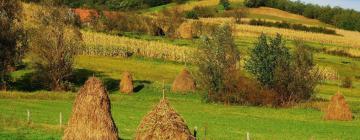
346,82
217,60
191,15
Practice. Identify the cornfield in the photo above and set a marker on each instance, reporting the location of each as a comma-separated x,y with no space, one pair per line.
348,39
108,45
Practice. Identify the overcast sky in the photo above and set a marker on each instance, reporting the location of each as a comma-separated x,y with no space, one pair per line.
350,4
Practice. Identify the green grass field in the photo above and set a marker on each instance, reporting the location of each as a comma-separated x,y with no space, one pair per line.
220,121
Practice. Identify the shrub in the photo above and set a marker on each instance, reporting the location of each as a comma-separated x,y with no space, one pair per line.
346,82
191,15
217,59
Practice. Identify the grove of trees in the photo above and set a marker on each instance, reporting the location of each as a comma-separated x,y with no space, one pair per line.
342,18
293,76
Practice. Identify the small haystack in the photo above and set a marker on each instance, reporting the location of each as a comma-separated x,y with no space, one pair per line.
163,123
126,84
91,117
184,82
338,109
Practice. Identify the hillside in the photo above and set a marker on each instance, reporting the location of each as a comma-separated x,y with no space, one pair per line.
156,59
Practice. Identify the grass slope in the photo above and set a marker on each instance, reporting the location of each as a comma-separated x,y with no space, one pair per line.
221,122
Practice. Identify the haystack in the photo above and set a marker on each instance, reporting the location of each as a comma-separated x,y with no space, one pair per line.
184,82
91,117
163,123
338,109
126,84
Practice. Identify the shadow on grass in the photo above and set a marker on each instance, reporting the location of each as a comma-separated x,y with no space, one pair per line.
30,82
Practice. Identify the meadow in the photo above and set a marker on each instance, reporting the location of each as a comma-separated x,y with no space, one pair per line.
220,121
154,59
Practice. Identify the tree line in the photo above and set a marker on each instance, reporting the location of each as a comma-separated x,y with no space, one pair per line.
348,19
111,4
286,25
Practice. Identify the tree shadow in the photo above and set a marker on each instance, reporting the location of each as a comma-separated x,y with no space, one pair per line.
27,82
31,82
140,84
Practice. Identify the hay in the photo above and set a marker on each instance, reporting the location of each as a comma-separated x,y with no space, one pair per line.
126,84
91,117
338,109
163,123
184,82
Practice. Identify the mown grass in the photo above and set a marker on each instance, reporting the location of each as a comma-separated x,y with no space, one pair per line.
220,121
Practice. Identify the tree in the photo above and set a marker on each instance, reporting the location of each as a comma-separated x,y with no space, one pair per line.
12,37
225,4
265,57
216,59
296,82
53,45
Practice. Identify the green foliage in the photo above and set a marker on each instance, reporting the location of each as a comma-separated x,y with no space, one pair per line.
217,61
53,55
296,82
191,15
342,18
265,57
225,4
12,37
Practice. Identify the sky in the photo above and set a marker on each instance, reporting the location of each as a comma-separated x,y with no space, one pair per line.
349,4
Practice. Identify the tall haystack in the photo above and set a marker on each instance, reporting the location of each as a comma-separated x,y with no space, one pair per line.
91,117
163,123
338,109
126,84
184,82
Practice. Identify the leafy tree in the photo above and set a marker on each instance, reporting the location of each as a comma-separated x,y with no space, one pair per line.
265,57
53,46
296,82
12,37
216,59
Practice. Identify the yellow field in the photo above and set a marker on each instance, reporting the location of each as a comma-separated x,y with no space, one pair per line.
273,14
345,38
190,5
152,49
